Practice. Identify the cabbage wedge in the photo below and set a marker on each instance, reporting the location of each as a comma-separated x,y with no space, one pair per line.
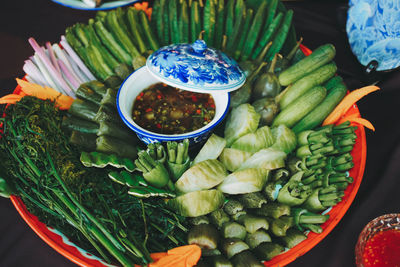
233,158
211,149
203,175
244,181
242,120
285,139
267,158
197,203
253,142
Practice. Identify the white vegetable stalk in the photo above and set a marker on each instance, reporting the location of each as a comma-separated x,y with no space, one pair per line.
62,56
76,58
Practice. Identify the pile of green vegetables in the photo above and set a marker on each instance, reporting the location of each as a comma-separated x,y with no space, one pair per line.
250,192
44,169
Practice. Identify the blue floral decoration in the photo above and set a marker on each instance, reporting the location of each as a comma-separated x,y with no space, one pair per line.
373,29
197,67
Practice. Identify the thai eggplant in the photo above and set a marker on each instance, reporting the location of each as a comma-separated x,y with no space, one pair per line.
203,235
244,93
203,175
267,84
178,160
284,62
102,160
267,108
153,172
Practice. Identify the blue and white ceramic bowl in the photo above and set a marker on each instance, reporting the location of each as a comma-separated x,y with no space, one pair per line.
87,5
140,80
192,67
373,29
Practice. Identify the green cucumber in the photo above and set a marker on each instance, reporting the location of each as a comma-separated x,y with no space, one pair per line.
317,77
318,58
280,36
300,107
317,116
332,83
253,33
219,27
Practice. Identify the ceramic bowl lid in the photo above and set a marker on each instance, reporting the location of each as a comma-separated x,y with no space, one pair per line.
373,29
195,67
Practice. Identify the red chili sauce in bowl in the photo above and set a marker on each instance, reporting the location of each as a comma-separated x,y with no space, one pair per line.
383,249
164,109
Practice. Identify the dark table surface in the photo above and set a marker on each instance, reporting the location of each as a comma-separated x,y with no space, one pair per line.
319,22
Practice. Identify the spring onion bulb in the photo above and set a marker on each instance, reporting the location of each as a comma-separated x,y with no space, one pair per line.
57,77
32,70
69,76
62,55
76,58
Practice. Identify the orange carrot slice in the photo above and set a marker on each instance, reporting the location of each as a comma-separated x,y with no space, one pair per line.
185,256
62,101
10,99
346,103
363,122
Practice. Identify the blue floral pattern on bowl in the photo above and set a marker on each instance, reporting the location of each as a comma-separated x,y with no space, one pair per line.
195,67
373,29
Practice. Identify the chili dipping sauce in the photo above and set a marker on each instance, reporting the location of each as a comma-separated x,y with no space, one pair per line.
383,249
164,109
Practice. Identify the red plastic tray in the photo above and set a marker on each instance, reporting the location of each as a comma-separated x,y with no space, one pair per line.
77,255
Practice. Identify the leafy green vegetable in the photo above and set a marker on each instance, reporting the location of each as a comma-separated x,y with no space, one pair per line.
203,175
244,181
211,149
267,158
197,203
233,158
242,120
253,142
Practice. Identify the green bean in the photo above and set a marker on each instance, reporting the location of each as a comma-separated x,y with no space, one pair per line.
133,25
219,27
184,23
240,15
173,22
166,38
109,41
120,35
246,26
253,32
281,35
148,31
209,22
229,18
196,21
